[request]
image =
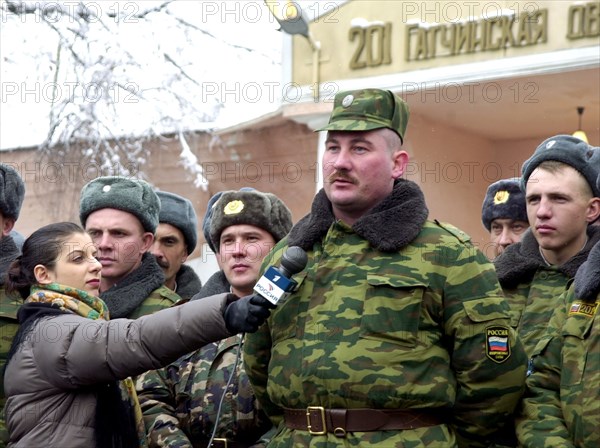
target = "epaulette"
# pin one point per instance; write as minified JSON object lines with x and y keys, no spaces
{"x":463,"y":237}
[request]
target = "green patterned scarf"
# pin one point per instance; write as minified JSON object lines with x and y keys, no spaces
{"x":69,"y":299}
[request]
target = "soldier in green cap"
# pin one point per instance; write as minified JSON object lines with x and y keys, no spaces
{"x":121,"y":215}
{"x":398,"y":333}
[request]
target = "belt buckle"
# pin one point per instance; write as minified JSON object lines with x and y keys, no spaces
{"x":321,"y":411}
{"x":223,"y":441}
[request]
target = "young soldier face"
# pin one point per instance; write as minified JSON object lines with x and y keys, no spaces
{"x":559,"y":209}
{"x":242,"y":249}
{"x":121,"y":241}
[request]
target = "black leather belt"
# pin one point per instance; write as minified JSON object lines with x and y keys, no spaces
{"x":318,"y":420}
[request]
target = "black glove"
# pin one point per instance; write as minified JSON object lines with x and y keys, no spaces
{"x":246,"y":314}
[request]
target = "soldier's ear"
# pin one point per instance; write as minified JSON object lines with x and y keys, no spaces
{"x":7,"y":226}
{"x":147,"y":242}
{"x":400,"y":159}
{"x":593,"y":211}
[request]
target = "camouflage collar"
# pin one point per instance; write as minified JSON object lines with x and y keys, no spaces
{"x":587,"y":279}
{"x":391,"y":225}
{"x":520,"y":261}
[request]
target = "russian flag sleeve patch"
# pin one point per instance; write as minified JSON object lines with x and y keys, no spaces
{"x":497,"y":341}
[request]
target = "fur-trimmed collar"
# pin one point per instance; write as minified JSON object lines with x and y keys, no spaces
{"x":126,"y":296}
{"x":519,"y":262}
{"x":216,"y":284}
{"x":389,"y":226}
{"x":8,"y":253}
{"x":188,"y":282}
{"x":587,"y":279}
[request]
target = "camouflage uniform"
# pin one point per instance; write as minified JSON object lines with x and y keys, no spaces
{"x":561,"y":406}
{"x":532,"y":288}
{"x":8,"y":321}
{"x":180,"y":402}
{"x":394,"y":312}
{"x":159,"y":299}
{"x":140,"y":293}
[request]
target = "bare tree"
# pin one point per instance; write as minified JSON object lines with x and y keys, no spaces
{"x":114,"y":74}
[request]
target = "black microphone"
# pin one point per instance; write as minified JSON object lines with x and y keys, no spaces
{"x":276,"y":283}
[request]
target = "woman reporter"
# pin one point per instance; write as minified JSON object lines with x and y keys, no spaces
{"x":67,"y":372}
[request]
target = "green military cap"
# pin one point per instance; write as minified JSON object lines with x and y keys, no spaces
{"x":368,"y":109}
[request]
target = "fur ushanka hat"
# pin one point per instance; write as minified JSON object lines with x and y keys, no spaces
{"x":122,"y":193}
{"x":264,"y":210}
{"x":179,"y":212}
{"x":504,"y":199}
{"x":569,"y":150}
{"x":12,"y":192}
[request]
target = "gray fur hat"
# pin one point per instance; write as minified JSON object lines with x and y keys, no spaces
{"x":179,"y":212}
{"x":264,"y":210}
{"x":569,"y":150}
{"x":122,"y":193}
{"x":504,"y":199}
{"x":12,"y":192}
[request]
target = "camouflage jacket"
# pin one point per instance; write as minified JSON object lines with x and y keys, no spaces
{"x":394,"y":313}
{"x":561,"y":405}
{"x":532,"y":288}
{"x":142,"y":292}
{"x":180,"y":402}
{"x":8,"y":321}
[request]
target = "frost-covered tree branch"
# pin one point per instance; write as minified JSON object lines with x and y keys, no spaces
{"x":111,"y":75}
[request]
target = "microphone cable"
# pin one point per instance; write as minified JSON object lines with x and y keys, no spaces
{"x":238,"y":357}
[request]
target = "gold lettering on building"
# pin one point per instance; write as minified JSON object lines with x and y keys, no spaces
{"x":423,"y":41}
{"x":373,"y":45}
{"x":584,"y":21}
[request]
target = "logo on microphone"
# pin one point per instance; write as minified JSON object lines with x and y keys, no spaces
{"x":273,"y":286}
